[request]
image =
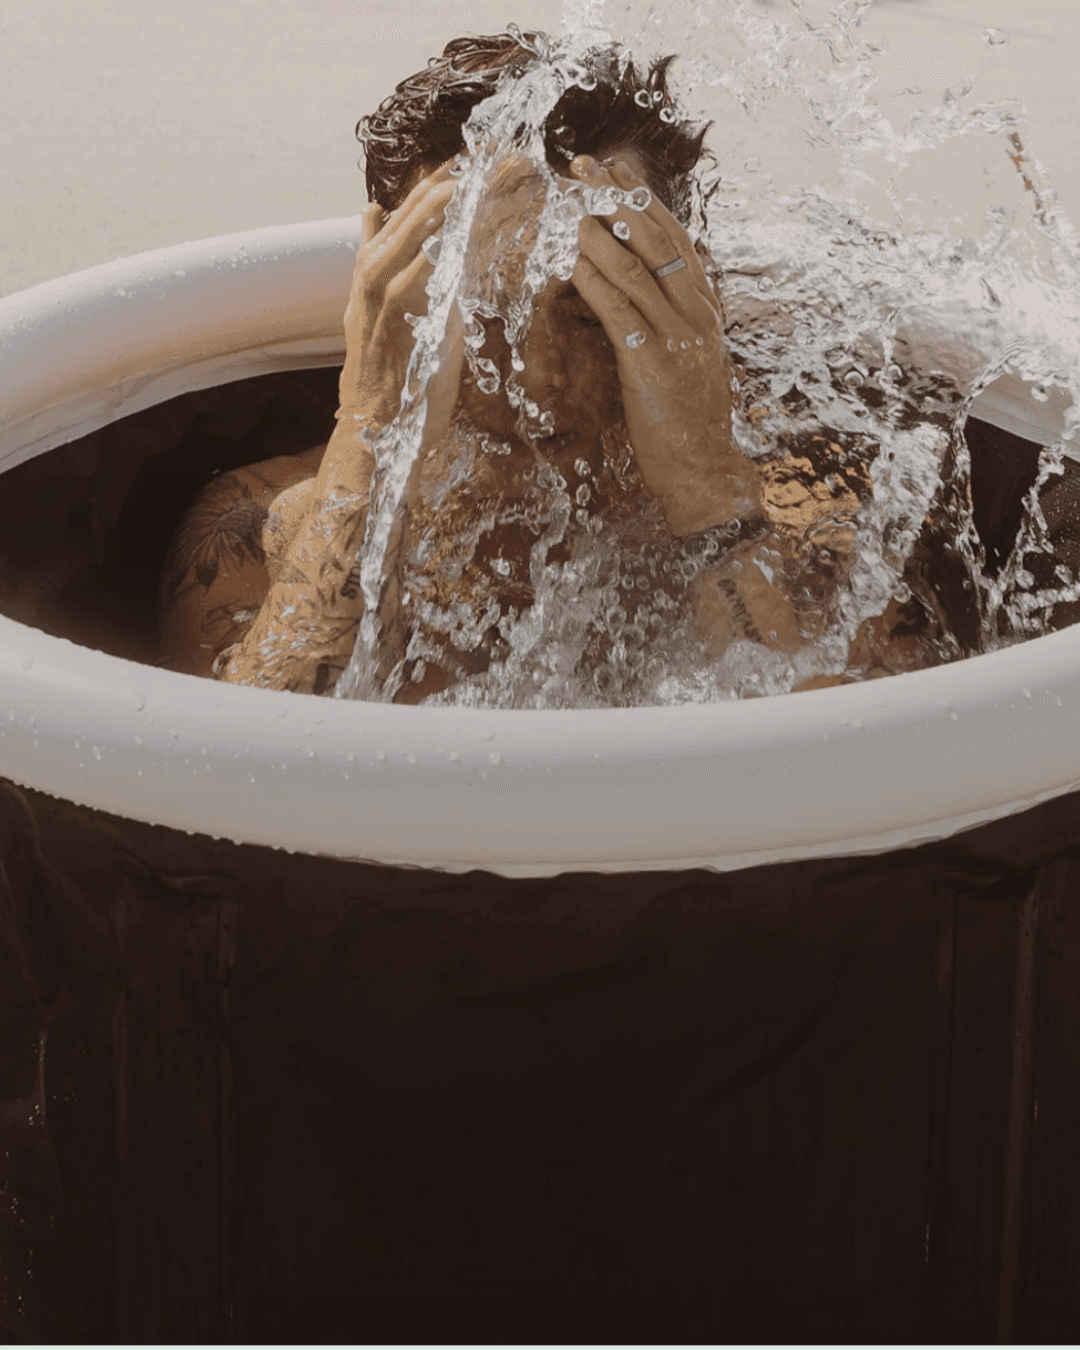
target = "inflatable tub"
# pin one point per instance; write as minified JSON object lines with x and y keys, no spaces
{"x":734,"y":1022}
{"x":519,"y":793}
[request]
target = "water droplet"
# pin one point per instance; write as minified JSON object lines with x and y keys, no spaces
{"x":667,"y":115}
{"x":640,"y":199}
{"x":994,"y":37}
{"x":350,"y":755}
{"x":621,"y":230}
{"x":853,"y":379}
{"x":27,"y":662}
{"x":495,"y":757}
{"x":97,"y":752}
{"x":138,"y":740}
{"x":752,"y":164}
{"x":251,"y":778}
{"x":602,"y":201}
{"x":140,"y":700}
{"x":380,"y":754}
{"x":453,"y":756}
{"x":672,"y":345}
{"x":634,"y":340}
{"x":431,"y":248}
{"x":642,"y":99}
{"x":310,"y":753}
{"x":765,"y":284}
{"x":1039,"y":394}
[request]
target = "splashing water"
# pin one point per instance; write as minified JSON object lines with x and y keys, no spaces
{"x":866,"y":307}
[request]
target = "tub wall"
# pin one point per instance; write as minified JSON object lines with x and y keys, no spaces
{"x":247,"y":1097}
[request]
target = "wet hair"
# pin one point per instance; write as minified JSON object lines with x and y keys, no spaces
{"x":420,"y":124}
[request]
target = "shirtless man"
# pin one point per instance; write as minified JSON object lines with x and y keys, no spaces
{"x":261,"y":585}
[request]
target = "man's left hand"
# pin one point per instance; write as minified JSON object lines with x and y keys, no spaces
{"x":668,"y":339}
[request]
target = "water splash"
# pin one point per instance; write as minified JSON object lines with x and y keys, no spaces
{"x":866,"y":307}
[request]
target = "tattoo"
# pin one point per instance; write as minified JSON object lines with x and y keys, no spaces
{"x":351,"y":589}
{"x":750,"y":629}
{"x":223,"y":525}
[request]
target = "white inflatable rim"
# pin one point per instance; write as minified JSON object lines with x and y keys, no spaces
{"x":834,"y":772}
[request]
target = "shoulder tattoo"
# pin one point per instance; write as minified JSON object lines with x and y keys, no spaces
{"x":222,"y":526}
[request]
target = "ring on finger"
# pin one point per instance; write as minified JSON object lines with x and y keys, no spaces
{"x":676,"y":265}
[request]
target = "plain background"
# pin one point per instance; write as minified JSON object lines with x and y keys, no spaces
{"x":129,"y":126}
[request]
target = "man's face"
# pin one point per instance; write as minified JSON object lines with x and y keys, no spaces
{"x":569,"y":363}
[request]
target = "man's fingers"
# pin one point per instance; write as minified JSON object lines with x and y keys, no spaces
{"x":408,"y":289}
{"x":371,"y":223}
{"x":610,"y":303}
{"x":656,"y":238}
{"x":626,"y":274}
{"x":667,"y":230}
{"x":398,"y":245}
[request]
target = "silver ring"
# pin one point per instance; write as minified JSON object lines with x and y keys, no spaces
{"x":670,"y":267}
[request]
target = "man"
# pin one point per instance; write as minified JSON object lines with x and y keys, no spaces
{"x":261,"y":585}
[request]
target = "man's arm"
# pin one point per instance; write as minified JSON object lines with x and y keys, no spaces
{"x":214,"y":577}
{"x":303,"y":634}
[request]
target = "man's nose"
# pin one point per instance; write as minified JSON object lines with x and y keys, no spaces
{"x":545,"y":359}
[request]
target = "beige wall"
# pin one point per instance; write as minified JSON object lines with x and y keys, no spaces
{"x":129,"y":125}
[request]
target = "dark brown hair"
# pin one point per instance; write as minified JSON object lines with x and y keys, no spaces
{"x":421,"y":122}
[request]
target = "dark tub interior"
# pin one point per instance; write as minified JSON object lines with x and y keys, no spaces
{"x":84,"y":528}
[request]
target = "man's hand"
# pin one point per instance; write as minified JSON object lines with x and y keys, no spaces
{"x":389,"y":281}
{"x":674,"y":371}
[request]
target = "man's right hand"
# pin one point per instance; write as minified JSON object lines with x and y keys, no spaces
{"x":389,"y":281}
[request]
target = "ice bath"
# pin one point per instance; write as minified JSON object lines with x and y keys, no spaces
{"x":834,"y":358}
{"x":709,"y":1012}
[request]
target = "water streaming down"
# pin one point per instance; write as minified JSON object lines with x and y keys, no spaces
{"x":866,"y":304}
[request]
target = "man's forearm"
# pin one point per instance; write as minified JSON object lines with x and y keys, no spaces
{"x":303,"y":636}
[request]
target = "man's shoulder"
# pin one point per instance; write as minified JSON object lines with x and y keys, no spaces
{"x":221,"y":531}
{"x":218,"y":532}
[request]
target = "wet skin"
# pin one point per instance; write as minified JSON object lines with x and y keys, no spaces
{"x":671,"y":392}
